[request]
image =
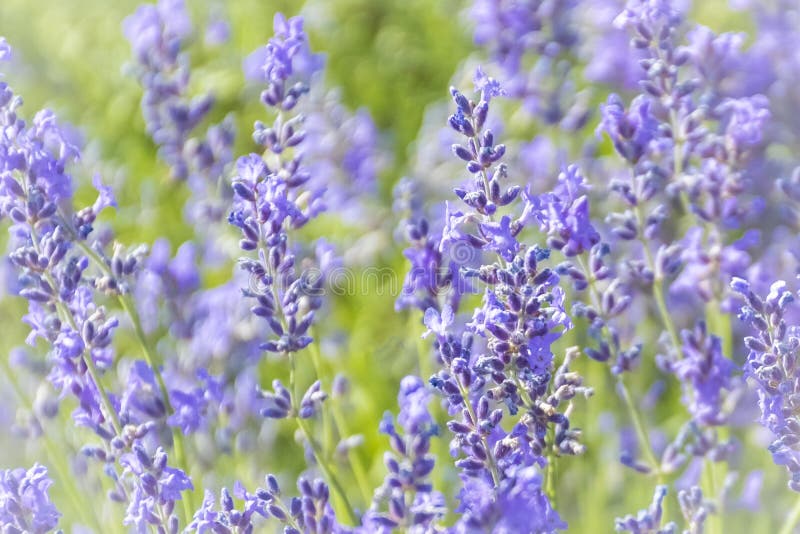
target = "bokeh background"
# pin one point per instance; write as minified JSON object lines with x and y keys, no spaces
{"x":396,"y":58}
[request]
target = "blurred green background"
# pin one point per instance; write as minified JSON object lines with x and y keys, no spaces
{"x":394,"y":57}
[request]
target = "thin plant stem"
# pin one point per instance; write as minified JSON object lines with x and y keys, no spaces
{"x":638,"y":426}
{"x":633,"y":411}
{"x":341,"y":426}
{"x":316,"y":449}
{"x":791,"y":520}
{"x":710,"y":489}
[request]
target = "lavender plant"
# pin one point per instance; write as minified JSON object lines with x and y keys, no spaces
{"x":596,"y":309}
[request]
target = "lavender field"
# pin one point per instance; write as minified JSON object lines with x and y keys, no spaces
{"x":414,"y":266}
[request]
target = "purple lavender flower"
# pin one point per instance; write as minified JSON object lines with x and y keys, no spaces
{"x":191,"y":406}
{"x":771,"y":367}
{"x":157,"y":34}
{"x":564,"y":214}
{"x":51,"y":247}
{"x":25,"y":504}
{"x":609,"y":59}
{"x":531,"y":44}
{"x":747,"y":118}
{"x":647,"y":521}
{"x":169,"y":280}
{"x":5,"y":49}
{"x":344,"y":155}
{"x":269,"y":199}
{"x":36,"y":194}
{"x":435,"y":268}
{"x":156,"y":489}
{"x":695,"y":509}
{"x":511,"y":366}
{"x":705,"y":374}
{"x":518,"y":505}
{"x":407,"y":494}
{"x":286,"y":60}
{"x":310,"y":512}
{"x":631,"y":131}
{"x":227,"y":519}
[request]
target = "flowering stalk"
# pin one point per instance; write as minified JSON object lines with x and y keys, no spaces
{"x":157,"y":34}
{"x":269,"y":200}
{"x":406,"y":499}
{"x":25,"y":504}
{"x":521,"y":315}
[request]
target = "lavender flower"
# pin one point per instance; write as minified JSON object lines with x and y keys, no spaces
{"x":771,"y":366}
{"x":648,"y":521}
{"x":518,"y":505}
{"x":435,"y":268}
{"x":5,"y":49}
{"x":564,"y":214}
{"x":695,"y":510}
{"x":62,"y":308}
{"x":156,"y":489}
{"x":631,"y":131}
{"x":531,"y":44}
{"x":25,"y":504}
{"x":157,"y":34}
{"x":227,"y":520}
{"x":52,"y":245}
{"x":269,"y":199}
{"x":311,"y":512}
{"x":407,"y":493}
{"x":344,"y":155}
{"x":521,"y":316}
{"x":706,"y":374}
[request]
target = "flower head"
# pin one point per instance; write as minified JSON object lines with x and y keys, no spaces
{"x":25,"y":504}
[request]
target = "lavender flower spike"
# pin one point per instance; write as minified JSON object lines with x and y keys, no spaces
{"x":648,"y":521}
{"x":269,"y":199}
{"x":407,"y":494}
{"x":25,"y":504}
{"x":772,"y":365}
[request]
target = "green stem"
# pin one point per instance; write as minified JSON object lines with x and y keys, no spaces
{"x":359,"y":471}
{"x":658,"y":287}
{"x":792,"y":519}
{"x":327,"y":430}
{"x":315,"y":448}
{"x":644,"y":439}
{"x":710,"y":490}
{"x":341,"y":425}
{"x":90,"y":366}
{"x":638,"y":426}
